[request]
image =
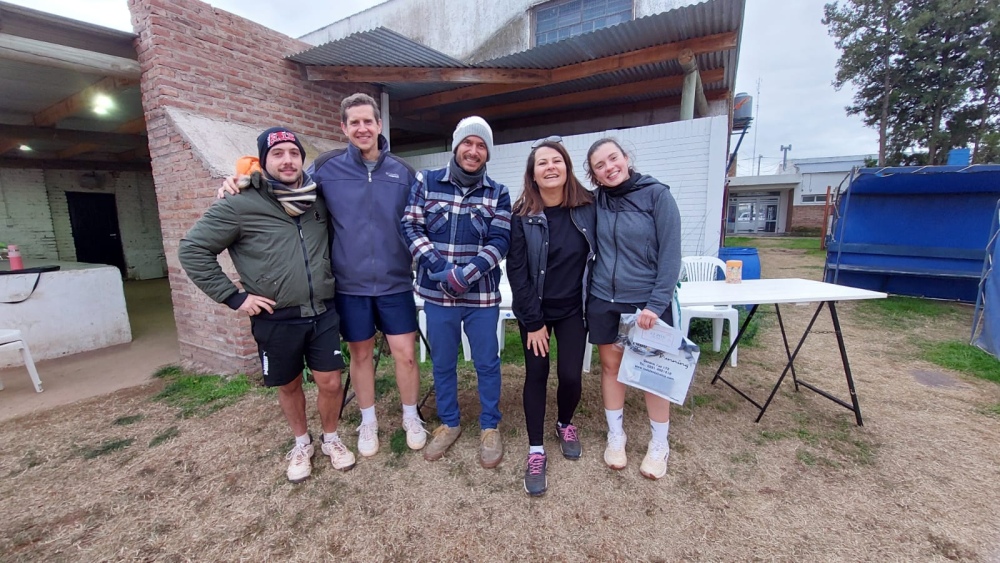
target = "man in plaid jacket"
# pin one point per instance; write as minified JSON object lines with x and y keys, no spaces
{"x":457,"y":222}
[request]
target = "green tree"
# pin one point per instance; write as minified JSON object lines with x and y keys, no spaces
{"x":924,"y":73}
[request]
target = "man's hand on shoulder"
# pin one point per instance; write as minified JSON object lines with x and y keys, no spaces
{"x":232,"y":186}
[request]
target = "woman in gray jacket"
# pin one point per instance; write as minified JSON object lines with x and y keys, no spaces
{"x":638,"y":262}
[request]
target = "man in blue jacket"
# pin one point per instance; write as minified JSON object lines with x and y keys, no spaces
{"x":458,"y":225}
{"x":366,"y":189}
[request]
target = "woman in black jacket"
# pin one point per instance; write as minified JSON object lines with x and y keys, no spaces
{"x":552,"y":244}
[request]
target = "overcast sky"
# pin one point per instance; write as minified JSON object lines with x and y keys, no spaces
{"x":784,"y":48}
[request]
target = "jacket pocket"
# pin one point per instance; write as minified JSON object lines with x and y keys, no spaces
{"x":437,"y":216}
{"x":481,"y":218}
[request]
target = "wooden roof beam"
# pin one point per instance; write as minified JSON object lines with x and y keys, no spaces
{"x":555,"y":118}
{"x":57,"y":164}
{"x":421,"y":74}
{"x":585,"y":97}
{"x":667,"y":51}
{"x":137,"y":125}
{"x":23,"y":133}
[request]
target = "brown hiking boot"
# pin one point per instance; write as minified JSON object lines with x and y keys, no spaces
{"x":491,"y":448}
{"x":443,"y":437}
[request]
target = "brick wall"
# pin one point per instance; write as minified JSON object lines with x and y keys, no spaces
{"x":138,"y":221}
{"x":808,"y":216}
{"x":208,"y":61}
{"x":25,"y":219}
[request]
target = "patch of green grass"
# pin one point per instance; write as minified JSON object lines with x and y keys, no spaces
{"x":992,"y":410}
{"x":806,"y":457}
{"x":748,"y":242}
{"x":702,"y":400}
{"x":168,"y":371}
{"x":963,"y":357}
{"x":201,"y":395}
{"x":383,"y":385}
{"x":126,"y":420}
{"x":765,"y":436}
{"x":105,"y":447}
{"x":167,"y":434}
{"x":397,"y":442}
{"x":898,"y":308}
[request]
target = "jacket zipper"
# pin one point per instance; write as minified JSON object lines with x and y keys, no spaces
{"x":305,"y":256}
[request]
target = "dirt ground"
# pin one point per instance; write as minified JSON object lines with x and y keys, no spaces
{"x":918,"y":482}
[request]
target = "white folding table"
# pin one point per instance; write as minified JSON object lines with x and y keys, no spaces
{"x":777,"y":292}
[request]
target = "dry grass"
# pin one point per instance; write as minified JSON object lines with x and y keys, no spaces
{"x":125,"y":478}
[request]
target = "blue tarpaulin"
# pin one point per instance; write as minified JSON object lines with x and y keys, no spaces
{"x":918,"y":231}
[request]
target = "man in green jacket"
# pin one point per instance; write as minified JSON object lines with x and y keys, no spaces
{"x":277,"y":236}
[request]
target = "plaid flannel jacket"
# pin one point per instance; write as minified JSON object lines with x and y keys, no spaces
{"x":469,"y":227}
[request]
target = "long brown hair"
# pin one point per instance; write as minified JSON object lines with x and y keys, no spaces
{"x":530,"y":200}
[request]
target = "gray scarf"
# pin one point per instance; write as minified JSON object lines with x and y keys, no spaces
{"x":295,"y":200}
{"x":463,"y":178}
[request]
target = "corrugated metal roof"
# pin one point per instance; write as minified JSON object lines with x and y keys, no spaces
{"x":377,"y":47}
{"x":383,"y":47}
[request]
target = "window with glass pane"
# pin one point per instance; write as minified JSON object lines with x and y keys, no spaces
{"x":562,"y":19}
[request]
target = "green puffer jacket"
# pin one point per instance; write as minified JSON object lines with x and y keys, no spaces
{"x":284,"y":258}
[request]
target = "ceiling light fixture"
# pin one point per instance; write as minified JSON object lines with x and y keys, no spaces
{"x":24,"y":148}
{"x":103,"y":104}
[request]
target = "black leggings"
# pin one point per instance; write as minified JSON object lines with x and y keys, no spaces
{"x":571,"y":336}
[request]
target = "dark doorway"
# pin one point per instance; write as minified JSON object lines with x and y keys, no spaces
{"x":94,"y":218}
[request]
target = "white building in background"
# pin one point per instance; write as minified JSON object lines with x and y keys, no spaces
{"x":790,"y":201}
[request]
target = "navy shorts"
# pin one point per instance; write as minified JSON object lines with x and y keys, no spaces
{"x":362,"y":315}
{"x":286,"y":346}
{"x":603,"y":318}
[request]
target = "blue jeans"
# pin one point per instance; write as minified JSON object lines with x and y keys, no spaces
{"x":444,"y":325}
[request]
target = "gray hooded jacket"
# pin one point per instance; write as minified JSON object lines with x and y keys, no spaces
{"x":639,"y":244}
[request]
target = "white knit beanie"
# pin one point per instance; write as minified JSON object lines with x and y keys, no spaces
{"x":473,"y":125}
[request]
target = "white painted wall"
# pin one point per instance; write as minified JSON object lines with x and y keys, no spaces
{"x":689,"y":156}
{"x":138,"y":217}
{"x":25,"y":219}
{"x":468,"y":30}
{"x":816,"y":183}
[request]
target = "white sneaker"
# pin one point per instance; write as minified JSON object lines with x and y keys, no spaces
{"x":368,"y":439}
{"x":341,"y":457}
{"x":654,"y":465}
{"x":614,"y":454}
{"x":416,"y":434}
{"x":299,"y":463}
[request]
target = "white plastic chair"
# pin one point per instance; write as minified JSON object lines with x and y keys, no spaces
{"x":704,"y":268}
{"x":12,"y":339}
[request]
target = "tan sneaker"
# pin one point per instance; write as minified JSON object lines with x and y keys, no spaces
{"x":341,"y":457}
{"x":368,"y":439}
{"x":299,"y":463}
{"x":614,"y":454}
{"x":654,"y":465}
{"x":444,"y":437}
{"x":416,"y":435}
{"x":490,"y":448}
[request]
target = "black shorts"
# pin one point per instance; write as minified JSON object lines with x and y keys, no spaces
{"x":603,"y":318}
{"x":287,"y":346}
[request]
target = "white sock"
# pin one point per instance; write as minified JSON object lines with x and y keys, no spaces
{"x":303,"y":440}
{"x":410,"y":411}
{"x":536,"y":450}
{"x":330,"y":437}
{"x":660,"y":431}
{"x":615,"y":418}
{"x":368,"y":416}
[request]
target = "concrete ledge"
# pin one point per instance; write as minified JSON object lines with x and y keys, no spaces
{"x":78,"y":308}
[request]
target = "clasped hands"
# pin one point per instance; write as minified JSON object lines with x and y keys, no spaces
{"x":451,"y":281}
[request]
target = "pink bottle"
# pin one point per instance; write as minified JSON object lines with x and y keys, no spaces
{"x":15,"y":258}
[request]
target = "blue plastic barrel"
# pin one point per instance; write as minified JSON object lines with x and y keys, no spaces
{"x":749,"y":256}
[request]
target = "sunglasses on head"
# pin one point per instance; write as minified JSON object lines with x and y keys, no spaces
{"x":549,"y":139}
